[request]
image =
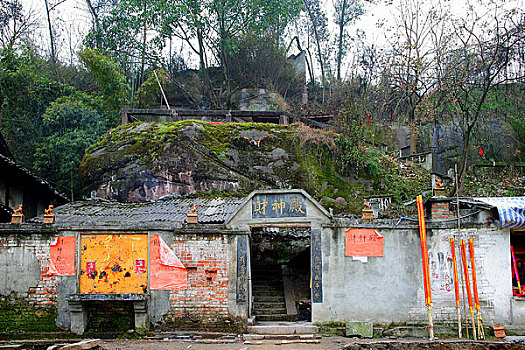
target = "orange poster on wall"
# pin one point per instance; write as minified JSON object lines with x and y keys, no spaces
{"x":62,"y":256}
{"x":114,"y":263}
{"x":363,"y":242}
{"x":166,"y":270}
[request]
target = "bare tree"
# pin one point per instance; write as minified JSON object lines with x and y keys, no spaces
{"x":13,"y":22}
{"x":318,"y":29}
{"x":346,"y":12}
{"x":50,"y":6}
{"x":486,"y":45}
{"x":411,"y":72}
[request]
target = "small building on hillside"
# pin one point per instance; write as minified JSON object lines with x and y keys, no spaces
{"x":222,"y":263}
{"x":19,"y":186}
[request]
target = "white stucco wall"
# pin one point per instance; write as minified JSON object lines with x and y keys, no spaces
{"x":390,"y":288}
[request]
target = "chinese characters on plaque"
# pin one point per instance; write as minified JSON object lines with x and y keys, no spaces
{"x":242,"y":268}
{"x":278,"y":206}
{"x":317,"y":267}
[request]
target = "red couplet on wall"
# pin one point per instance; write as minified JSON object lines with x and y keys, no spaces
{"x":363,"y":242}
{"x":62,"y":256}
{"x":166,"y":270}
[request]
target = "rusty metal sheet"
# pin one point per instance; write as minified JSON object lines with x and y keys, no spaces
{"x":113,"y":263}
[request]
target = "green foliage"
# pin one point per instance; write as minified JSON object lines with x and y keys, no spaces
{"x":25,"y":93}
{"x":71,"y":124}
{"x":496,"y":183}
{"x":128,"y":31}
{"x":109,"y":78}
{"x":371,"y":171}
{"x":149,"y":93}
{"x":259,"y":62}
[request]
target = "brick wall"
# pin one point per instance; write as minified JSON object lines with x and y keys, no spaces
{"x":204,"y":303}
{"x":440,"y":211}
{"x":42,"y":292}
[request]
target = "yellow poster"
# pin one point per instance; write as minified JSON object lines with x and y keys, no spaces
{"x":114,"y":263}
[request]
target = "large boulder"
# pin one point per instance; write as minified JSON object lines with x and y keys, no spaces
{"x":146,"y":161}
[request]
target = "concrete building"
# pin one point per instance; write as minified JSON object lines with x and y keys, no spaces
{"x":275,"y":247}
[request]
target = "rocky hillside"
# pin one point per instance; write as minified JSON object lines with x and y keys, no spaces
{"x":146,"y":161}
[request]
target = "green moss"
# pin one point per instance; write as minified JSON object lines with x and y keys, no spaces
{"x":331,"y":324}
{"x":18,"y":317}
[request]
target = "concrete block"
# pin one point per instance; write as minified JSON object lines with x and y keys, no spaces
{"x":271,"y":328}
{"x":78,"y":316}
{"x":141,"y":316}
{"x":361,"y":329}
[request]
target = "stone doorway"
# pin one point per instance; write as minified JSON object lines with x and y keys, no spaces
{"x":280,"y":273}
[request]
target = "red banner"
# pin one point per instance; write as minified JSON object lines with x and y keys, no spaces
{"x":363,"y":242}
{"x":62,"y":256}
{"x":166,"y":270}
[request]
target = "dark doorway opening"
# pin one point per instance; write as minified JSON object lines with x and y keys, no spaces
{"x":280,"y":270}
{"x":114,"y":316}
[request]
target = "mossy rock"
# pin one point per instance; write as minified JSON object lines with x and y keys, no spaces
{"x":145,"y":161}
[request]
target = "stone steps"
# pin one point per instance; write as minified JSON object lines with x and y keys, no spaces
{"x":269,"y":302}
{"x":265,"y":304}
{"x":270,"y":311}
{"x":274,"y":318}
{"x":283,"y":328}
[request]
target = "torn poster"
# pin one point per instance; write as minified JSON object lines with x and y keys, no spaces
{"x":363,"y":242}
{"x":62,"y":256}
{"x":166,"y":270}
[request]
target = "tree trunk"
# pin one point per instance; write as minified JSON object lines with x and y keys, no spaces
{"x":340,"y":40}
{"x":464,"y":158}
{"x":51,"y":35}
{"x":143,"y":54}
{"x":413,"y":131}
{"x":95,"y":21}
{"x":207,"y":89}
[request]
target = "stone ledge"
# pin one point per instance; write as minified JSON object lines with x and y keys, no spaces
{"x":108,"y":297}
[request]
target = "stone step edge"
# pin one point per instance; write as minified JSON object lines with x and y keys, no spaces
{"x":280,"y":336}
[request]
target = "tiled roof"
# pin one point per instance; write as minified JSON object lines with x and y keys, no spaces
{"x":290,"y":232}
{"x":209,"y":211}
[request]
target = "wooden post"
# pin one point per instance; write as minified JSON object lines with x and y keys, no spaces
{"x":283,"y":119}
{"x":467,"y":285}
{"x":481,"y":333}
{"x":456,"y":284}
{"x":424,"y":256}
{"x":125,"y":119}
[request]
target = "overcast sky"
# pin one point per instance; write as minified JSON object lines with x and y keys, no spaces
{"x":72,"y":19}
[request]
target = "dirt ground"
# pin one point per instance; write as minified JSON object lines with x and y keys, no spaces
{"x":328,"y":343}
{"x":237,"y":344}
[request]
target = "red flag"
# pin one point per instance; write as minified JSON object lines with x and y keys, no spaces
{"x":480,"y":151}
